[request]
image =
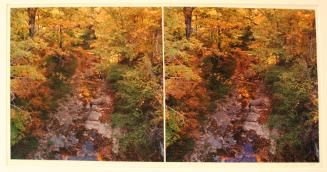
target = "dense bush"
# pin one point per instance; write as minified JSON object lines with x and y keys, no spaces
{"x":116,"y":72}
{"x":21,"y":149}
{"x":60,"y":68}
{"x":179,"y":149}
{"x":62,"y":64}
{"x":291,"y":89}
{"x":137,"y":108}
{"x":174,"y":124}
{"x":217,"y":70}
{"x":19,"y":121}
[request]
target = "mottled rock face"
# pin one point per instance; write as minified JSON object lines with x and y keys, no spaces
{"x":233,"y":133}
{"x":94,"y":116}
{"x":253,"y":117}
{"x":101,"y":128}
{"x":89,"y":125}
{"x":73,"y":140}
{"x":98,"y":101}
{"x":88,"y":106}
{"x":215,"y":143}
{"x":256,"y":127}
{"x":57,"y":142}
{"x":257,"y":102}
{"x":77,"y":132}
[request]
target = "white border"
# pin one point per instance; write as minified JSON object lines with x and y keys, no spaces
{"x":36,"y":165}
{"x":163,"y":77}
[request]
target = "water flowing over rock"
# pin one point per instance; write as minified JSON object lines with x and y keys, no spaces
{"x":236,"y":133}
{"x":80,"y":129}
{"x":94,"y":116}
{"x":57,"y":142}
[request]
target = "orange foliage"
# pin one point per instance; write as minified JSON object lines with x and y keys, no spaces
{"x":178,"y":88}
{"x":193,"y":102}
{"x":99,"y":157}
{"x":37,"y":102}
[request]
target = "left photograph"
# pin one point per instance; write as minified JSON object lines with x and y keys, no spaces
{"x":86,"y":83}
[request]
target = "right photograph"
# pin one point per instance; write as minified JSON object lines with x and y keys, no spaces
{"x":241,"y":85}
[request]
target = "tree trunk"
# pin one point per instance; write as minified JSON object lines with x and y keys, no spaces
{"x":188,"y":20}
{"x":31,"y":21}
{"x":219,"y":39}
{"x":196,"y":26}
{"x":60,"y":37}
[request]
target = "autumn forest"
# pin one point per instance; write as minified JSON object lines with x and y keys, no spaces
{"x":190,"y":84}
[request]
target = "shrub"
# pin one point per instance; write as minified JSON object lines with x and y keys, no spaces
{"x":273,"y":74}
{"x":62,"y":65}
{"x":290,"y":94}
{"x":217,"y":70}
{"x":116,"y":72}
{"x":174,"y":125}
{"x":60,"y":68}
{"x":24,"y":147}
{"x":177,"y":151}
{"x":18,"y":122}
{"x":136,"y":108}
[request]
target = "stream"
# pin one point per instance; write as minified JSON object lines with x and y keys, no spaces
{"x":236,"y":131}
{"x":80,"y":127}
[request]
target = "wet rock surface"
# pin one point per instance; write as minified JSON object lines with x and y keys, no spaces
{"x":236,"y":131}
{"x":80,"y":129}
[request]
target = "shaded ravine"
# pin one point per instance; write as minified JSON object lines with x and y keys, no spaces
{"x":80,"y":127}
{"x":236,"y":131}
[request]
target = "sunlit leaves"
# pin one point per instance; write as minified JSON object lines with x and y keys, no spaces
{"x":19,"y":120}
{"x":137,"y":107}
{"x":182,"y":72}
{"x":27,"y":72}
{"x":174,"y":124}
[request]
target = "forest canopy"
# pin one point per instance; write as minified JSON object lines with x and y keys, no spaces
{"x":62,"y":56}
{"x":210,"y":53}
